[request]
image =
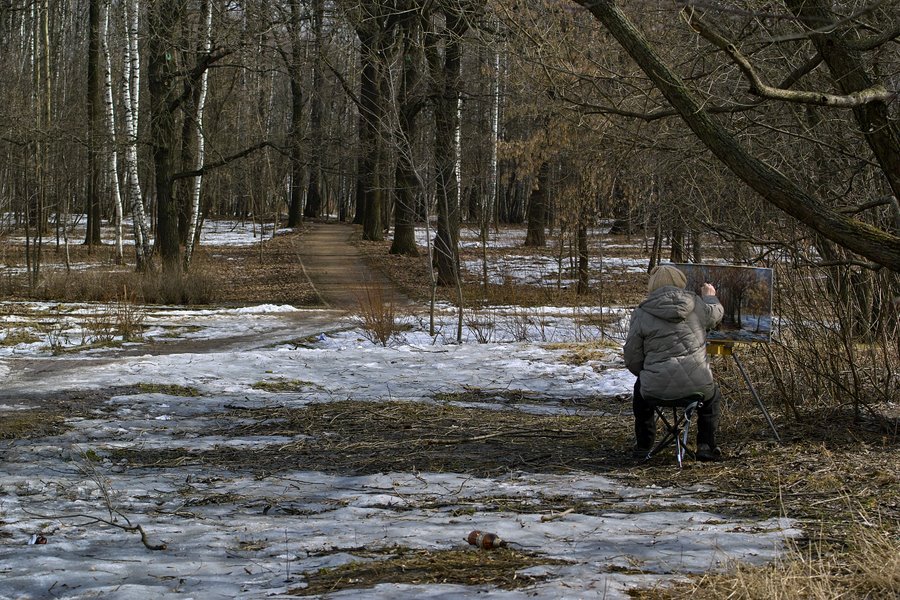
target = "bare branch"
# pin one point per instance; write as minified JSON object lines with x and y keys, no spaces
{"x":225,"y":160}
{"x":343,"y":81}
{"x":801,"y":71}
{"x":827,"y":26}
{"x":876,"y":93}
{"x":896,"y":206}
{"x":876,"y":41}
{"x":588,"y":108}
{"x":873,"y":204}
{"x":93,"y":519}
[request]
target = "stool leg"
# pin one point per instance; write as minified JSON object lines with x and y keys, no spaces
{"x":688,"y":414}
{"x":667,"y":435}
{"x":679,"y":442}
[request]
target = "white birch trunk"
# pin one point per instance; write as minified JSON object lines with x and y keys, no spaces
{"x":131,"y":93}
{"x":457,"y":136}
{"x":113,"y":169}
{"x":201,"y":144}
{"x":495,"y":142}
{"x":457,"y":141}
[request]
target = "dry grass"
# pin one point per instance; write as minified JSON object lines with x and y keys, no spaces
{"x":378,"y":313}
{"x":30,"y":424}
{"x":411,"y":274}
{"x":497,"y":568}
{"x":263,"y":273}
{"x":599,"y":351}
{"x":168,"y":389}
{"x":15,"y":336}
{"x":350,"y":437}
{"x":867,"y":566}
{"x":282,"y":385}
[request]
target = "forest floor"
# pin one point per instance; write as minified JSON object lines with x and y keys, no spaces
{"x":276,"y":449}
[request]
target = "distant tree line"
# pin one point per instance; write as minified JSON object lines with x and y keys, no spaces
{"x":773,"y":126}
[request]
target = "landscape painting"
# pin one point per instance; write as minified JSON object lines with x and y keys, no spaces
{"x":746,"y":294}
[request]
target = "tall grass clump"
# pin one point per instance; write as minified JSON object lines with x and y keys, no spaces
{"x":866,"y":566}
{"x":377,"y":314}
{"x":199,"y":286}
{"x":837,"y":341}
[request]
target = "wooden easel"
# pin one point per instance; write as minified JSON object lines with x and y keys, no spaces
{"x":726,"y":348}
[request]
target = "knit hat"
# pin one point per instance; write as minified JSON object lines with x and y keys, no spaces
{"x":662,"y":275}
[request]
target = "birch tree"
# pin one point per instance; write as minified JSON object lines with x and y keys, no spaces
{"x":131,"y":88}
{"x":112,"y":169}
{"x":200,"y":143}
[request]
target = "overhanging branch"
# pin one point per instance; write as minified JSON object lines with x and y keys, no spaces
{"x":873,"y":243}
{"x":876,"y":93}
{"x":228,"y":159}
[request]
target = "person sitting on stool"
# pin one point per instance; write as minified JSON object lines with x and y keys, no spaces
{"x":666,"y":349}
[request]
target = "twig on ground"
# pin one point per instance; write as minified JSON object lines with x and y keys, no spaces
{"x":555,"y":516}
{"x":93,"y":519}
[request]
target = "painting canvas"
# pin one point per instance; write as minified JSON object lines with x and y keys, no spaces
{"x":746,"y":294}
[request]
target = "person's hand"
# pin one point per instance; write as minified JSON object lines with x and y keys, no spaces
{"x":707,"y":289}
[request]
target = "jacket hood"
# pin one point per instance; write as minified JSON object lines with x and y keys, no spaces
{"x":669,"y":303}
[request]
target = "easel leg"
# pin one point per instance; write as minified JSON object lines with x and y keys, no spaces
{"x":756,"y":397}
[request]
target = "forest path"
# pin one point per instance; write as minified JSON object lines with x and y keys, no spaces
{"x":331,"y":262}
{"x":338,"y":270}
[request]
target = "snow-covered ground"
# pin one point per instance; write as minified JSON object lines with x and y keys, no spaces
{"x":215,"y":232}
{"x":262,"y":533}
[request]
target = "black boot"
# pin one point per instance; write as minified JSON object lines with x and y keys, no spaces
{"x":707,"y":427}
{"x":644,"y":424}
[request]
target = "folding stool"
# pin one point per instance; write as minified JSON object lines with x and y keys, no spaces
{"x":678,"y":429}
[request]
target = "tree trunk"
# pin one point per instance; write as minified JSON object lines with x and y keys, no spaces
{"x":142,"y":249}
{"x":314,"y":191}
{"x":112,"y":171}
{"x":199,"y":104}
{"x":295,"y":134}
{"x":446,"y":116}
{"x":620,"y":210}
{"x":406,"y":182}
{"x":535,"y":235}
{"x":583,"y":257}
{"x":161,"y":50}
{"x":368,"y":132}
{"x":677,"y":254}
{"x":95,"y":124}
{"x":656,"y":248}
{"x":696,"y":246}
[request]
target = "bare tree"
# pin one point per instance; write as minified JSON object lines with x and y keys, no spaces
{"x":872,"y":242}
{"x":96,"y":115}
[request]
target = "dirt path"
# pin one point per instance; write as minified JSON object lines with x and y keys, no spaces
{"x":338,"y":271}
{"x":334,"y":266}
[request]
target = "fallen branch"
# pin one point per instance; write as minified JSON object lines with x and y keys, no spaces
{"x":555,"y":516}
{"x":92,"y":519}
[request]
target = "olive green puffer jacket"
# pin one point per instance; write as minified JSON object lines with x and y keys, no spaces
{"x":666,"y":343}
